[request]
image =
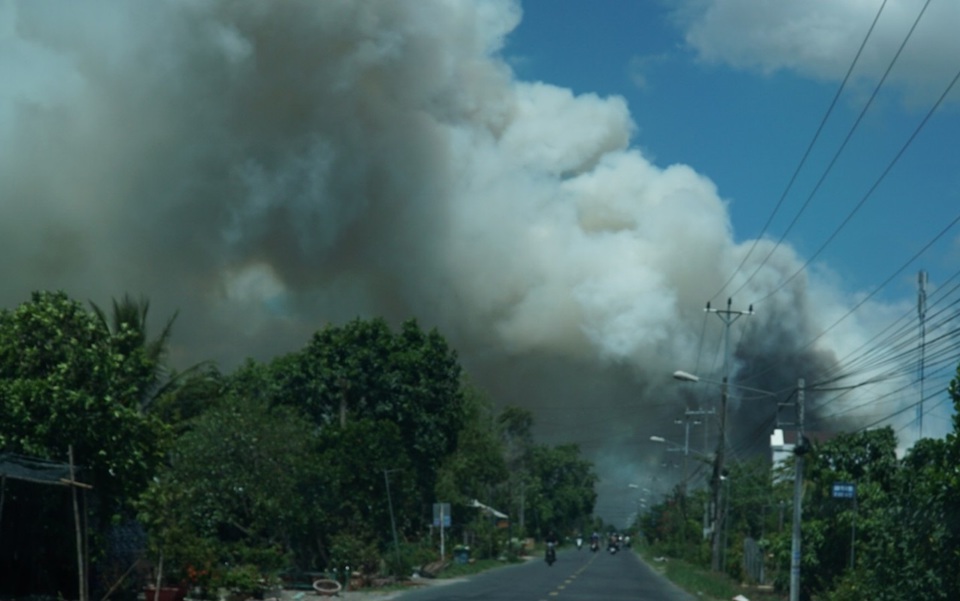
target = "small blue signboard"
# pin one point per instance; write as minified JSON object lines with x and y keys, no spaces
{"x":441,"y":515}
{"x":844,"y":490}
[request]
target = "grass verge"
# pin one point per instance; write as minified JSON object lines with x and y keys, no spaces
{"x":703,"y":583}
{"x":457,"y":570}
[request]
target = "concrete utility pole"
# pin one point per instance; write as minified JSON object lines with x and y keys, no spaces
{"x":799,"y":451}
{"x":686,"y":421}
{"x":706,"y":451}
{"x":728,"y":316}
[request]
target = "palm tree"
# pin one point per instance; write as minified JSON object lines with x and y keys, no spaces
{"x":130,"y":315}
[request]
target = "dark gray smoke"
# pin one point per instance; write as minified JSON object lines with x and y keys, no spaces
{"x":267,"y":168}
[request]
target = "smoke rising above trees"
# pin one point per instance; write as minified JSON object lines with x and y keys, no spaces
{"x":270,"y":168}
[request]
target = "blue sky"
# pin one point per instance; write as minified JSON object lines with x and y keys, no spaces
{"x":747,"y":127}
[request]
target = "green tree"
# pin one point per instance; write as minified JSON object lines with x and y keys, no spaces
{"x":241,"y":477}
{"x":477,"y":466}
{"x":750,"y":511}
{"x":916,"y":527}
{"x":128,"y":323}
{"x":193,"y":394}
{"x":356,"y":463}
{"x":65,"y":380}
{"x":910,"y":529}
{"x":866,"y":459}
{"x":362,"y":370}
{"x":516,"y":436}
{"x":562,"y":491}
{"x":664,"y":524}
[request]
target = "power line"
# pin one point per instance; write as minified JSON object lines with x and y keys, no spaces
{"x":806,"y":154}
{"x":857,"y":358}
{"x":836,"y":156}
{"x":876,"y":290}
{"x":869,"y":192}
{"x":899,"y":350}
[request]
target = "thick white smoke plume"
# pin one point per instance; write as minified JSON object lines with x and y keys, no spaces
{"x":269,"y":167}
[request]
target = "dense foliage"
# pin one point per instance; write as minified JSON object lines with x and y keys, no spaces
{"x":68,"y":381}
{"x":328,"y":457}
{"x":899,"y":539}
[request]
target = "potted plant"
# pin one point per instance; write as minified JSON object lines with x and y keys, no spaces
{"x":176,"y":546}
{"x":164,"y":593}
{"x":246,"y":581}
{"x":199,"y":582}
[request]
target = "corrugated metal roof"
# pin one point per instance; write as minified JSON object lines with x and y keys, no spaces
{"x":31,"y":469}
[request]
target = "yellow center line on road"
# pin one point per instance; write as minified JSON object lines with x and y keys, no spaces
{"x":570,"y":579}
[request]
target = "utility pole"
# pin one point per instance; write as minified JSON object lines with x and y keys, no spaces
{"x":799,"y":451}
{"x":922,"y":315}
{"x":686,"y":437}
{"x":393,"y":521}
{"x":728,"y":316}
{"x":706,"y":448}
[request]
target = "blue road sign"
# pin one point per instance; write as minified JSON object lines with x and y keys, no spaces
{"x":844,"y":490}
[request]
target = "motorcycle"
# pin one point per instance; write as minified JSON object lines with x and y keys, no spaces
{"x":594,"y":546}
{"x":579,"y":543}
{"x":613,"y":547}
{"x":551,"y":554}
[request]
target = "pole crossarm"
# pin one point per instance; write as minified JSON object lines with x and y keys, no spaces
{"x":676,"y":447}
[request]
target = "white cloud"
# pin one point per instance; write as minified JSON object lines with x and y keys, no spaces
{"x":819,"y":38}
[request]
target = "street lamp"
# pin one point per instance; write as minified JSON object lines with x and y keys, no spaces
{"x":672,"y":445}
{"x":676,"y":447}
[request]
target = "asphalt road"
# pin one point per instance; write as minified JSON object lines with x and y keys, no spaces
{"x":576,"y":576}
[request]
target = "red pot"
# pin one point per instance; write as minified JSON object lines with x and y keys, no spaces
{"x":165,"y":593}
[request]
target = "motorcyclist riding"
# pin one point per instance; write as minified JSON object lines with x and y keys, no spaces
{"x":551,"y":540}
{"x":613,"y":544}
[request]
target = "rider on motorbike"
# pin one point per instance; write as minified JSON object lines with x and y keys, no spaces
{"x":551,"y":540}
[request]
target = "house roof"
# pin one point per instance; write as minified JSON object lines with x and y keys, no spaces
{"x":18,"y":467}
{"x":32,"y":469}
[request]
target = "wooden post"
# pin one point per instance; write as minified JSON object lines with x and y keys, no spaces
{"x":156,"y":591}
{"x":76,"y":518}
{"x":3,"y":494}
